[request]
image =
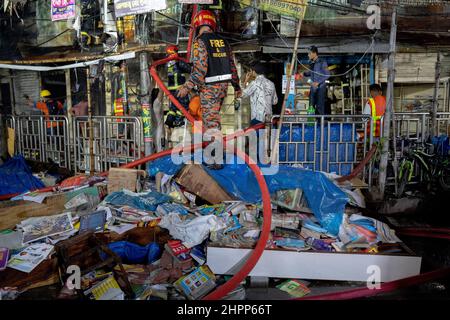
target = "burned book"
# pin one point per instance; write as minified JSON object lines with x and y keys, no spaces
{"x":94,"y":221}
{"x":283,"y":232}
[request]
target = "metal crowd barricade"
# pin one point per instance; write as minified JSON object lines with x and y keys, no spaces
{"x":334,"y":143}
{"x":30,"y":135}
{"x":56,"y":140}
{"x":123,"y":140}
{"x":117,"y":141}
{"x":443,"y":123}
{"x":410,"y":126}
{"x":81,"y":143}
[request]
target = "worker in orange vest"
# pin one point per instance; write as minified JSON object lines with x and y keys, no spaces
{"x":375,"y":107}
{"x":49,"y":107}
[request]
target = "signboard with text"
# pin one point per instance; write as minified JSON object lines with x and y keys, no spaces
{"x":62,"y":9}
{"x":292,"y":8}
{"x":133,"y":7}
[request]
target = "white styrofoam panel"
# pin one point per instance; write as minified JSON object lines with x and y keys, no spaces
{"x":315,"y":265}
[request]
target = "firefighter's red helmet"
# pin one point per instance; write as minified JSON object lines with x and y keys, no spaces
{"x":205,"y":18}
{"x":172,"y":49}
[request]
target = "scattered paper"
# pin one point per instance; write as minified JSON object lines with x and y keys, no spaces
{"x":77,"y":201}
{"x":37,"y":197}
{"x":108,"y":289}
{"x":122,"y":228}
{"x":191,"y":232}
{"x":63,"y":236}
{"x":11,"y":240}
{"x":295,"y":288}
{"x":30,"y":257}
{"x":41,"y":227}
{"x":252,"y":234}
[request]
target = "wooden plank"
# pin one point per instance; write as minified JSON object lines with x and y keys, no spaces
{"x":13,"y":212}
{"x":43,"y":275}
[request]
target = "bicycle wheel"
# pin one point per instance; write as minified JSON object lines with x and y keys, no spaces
{"x":444,"y":179}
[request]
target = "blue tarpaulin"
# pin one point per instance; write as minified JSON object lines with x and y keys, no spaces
{"x":16,"y":177}
{"x":325,"y":199}
{"x":144,"y":201}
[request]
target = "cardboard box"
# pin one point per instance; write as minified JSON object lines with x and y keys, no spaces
{"x":199,"y":182}
{"x":13,"y":212}
{"x":119,"y":179}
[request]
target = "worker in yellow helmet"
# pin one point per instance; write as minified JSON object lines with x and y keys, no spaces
{"x":48,"y":107}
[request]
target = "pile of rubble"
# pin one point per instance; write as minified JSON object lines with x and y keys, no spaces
{"x":133,"y":236}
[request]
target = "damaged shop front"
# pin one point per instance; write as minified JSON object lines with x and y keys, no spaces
{"x":111,"y":220}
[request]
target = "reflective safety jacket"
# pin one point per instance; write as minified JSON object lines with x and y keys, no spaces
{"x":377,"y":108}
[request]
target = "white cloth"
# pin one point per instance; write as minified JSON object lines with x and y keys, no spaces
{"x":191,"y":232}
{"x":367,"y":109}
{"x":262,"y":96}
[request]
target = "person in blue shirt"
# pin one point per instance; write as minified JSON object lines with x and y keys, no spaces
{"x":318,"y":74}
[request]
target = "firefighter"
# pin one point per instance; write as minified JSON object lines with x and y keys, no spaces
{"x":175,"y":79}
{"x":376,"y":107}
{"x":213,"y":70}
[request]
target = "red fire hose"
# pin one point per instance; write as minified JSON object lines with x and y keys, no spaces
{"x":267,"y":211}
{"x":437,"y":233}
{"x":384,"y":287}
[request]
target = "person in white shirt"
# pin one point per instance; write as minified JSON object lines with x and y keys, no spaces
{"x":262,"y":95}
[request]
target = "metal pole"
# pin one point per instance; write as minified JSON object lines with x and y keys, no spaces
{"x":274,"y":152}
{"x":389,"y":105}
{"x":434,"y":128}
{"x":69,"y":116}
{"x":145,"y":103}
{"x":91,"y":127}
{"x":123,"y":84}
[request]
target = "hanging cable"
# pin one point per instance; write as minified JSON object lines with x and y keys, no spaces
{"x":318,"y":73}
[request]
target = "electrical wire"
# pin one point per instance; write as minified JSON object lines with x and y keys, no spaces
{"x":318,"y":73}
{"x":52,"y":38}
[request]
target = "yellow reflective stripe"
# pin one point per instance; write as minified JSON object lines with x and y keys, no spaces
{"x":373,"y":110}
{"x":372,"y":107}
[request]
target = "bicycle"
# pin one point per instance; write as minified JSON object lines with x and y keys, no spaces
{"x":435,"y":168}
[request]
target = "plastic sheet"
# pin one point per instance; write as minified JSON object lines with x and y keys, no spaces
{"x":143,"y":201}
{"x":191,"y":232}
{"x":16,"y":177}
{"x":442,"y":144}
{"x":131,"y":253}
{"x":325,"y":199}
